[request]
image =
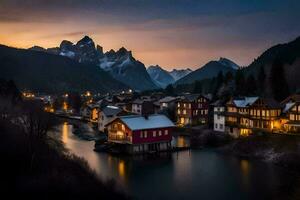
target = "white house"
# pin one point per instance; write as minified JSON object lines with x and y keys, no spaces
{"x":219,"y":116}
{"x":108,"y":114}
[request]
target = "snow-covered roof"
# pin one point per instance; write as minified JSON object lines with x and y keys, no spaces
{"x":288,"y":106}
{"x":167,"y":99}
{"x":111,"y":110}
{"x":247,"y":101}
{"x":137,"y":122}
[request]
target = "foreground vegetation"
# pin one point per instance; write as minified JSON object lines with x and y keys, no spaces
{"x":35,"y":166}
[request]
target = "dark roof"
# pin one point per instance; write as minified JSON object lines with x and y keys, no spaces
{"x":271,"y":103}
{"x":111,"y":110}
{"x":292,"y":98}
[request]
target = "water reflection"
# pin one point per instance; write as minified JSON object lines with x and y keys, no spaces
{"x":184,"y":175}
{"x":245,"y":170}
{"x":65,"y":132}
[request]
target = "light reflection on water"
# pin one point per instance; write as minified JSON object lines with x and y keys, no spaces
{"x":182,"y":175}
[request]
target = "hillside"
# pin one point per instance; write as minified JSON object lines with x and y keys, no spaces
{"x":288,"y":54}
{"x":43,"y":72}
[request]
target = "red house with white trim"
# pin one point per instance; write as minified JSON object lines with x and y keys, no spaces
{"x":141,"y":134}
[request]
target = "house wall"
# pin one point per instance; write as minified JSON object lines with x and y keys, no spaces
{"x":219,"y":119}
{"x":152,"y":135}
{"x":192,"y":113}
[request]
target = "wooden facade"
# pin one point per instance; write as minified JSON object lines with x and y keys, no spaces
{"x":192,"y":110}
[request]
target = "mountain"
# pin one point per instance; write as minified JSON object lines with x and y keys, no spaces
{"x":125,"y":68}
{"x":120,"y":64}
{"x":288,"y":54}
{"x":179,"y":73}
{"x":209,"y":70}
{"x":40,"y":71}
{"x":160,"y":76}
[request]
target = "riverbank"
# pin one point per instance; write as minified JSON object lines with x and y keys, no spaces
{"x":282,"y":150}
{"x":44,"y":169}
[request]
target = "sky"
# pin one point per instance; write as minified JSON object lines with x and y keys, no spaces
{"x":170,"y":33}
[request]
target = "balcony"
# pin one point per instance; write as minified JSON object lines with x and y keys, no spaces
{"x":119,"y":137}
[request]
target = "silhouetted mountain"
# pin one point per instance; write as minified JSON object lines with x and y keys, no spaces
{"x":160,"y":76}
{"x":121,"y":64}
{"x":209,"y":70}
{"x":43,"y":72}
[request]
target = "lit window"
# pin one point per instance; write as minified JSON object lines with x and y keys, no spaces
{"x":141,"y":134}
{"x":159,"y":133}
{"x":154,"y":133}
{"x":145,"y":134}
{"x":166,"y":132}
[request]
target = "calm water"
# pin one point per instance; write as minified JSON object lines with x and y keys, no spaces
{"x":196,"y":174}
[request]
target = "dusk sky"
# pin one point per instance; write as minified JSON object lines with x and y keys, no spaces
{"x":170,"y":33}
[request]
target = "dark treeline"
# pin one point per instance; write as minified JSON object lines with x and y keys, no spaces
{"x":242,"y":83}
{"x":35,"y":166}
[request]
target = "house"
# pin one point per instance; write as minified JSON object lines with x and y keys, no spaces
{"x":141,"y":134}
{"x":167,"y":102}
{"x":192,"y":109}
{"x":219,"y":116}
{"x":107,"y":114}
{"x":292,"y":113}
{"x":142,"y":106}
{"x":247,"y":114}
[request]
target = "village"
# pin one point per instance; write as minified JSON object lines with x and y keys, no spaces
{"x":145,"y":123}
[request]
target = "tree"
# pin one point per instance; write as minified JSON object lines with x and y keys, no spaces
{"x":278,"y":81}
{"x":240,"y":83}
{"x":198,"y":87}
{"x":228,"y":77}
{"x":169,"y":90}
{"x":217,"y":83}
{"x":250,"y":86}
{"x":261,"y":80}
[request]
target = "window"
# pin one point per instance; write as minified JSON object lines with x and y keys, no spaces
{"x":216,"y":125}
{"x":218,"y":116}
{"x":178,"y":105}
{"x":166,"y":132}
{"x":123,"y":127}
{"x":184,"y":112}
{"x":159,"y":133}
{"x":145,"y":134}
{"x":221,"y":126}
{"x":292,"y":117}
{"x":141,"y":134}
{"x":190,"y":105}
{"x":184,"y":105}
{"x":178,"y":111}
{"x":154,"y":133}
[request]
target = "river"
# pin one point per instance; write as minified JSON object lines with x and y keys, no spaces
{"x":195,"y":174}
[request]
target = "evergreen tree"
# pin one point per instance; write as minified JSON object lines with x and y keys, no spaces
{"x":240,"y":83}
{"x":251,"y":86}
{"x":169,"y":90}
{"x":198,"y":87}
{"x":218,"y":82}
{"x":278,"y":81}
{"x":261,"y":80}
{"x":228,"y":77}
